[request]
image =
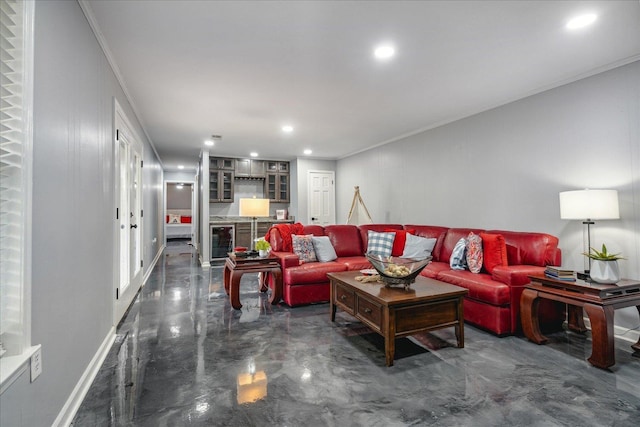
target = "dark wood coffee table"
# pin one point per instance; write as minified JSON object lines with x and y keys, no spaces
{"x":395,"y":312}
{"x":236,"y":266}
{"x":597,"y":300}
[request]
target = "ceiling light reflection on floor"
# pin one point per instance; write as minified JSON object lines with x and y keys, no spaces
{"x":581,"y":21}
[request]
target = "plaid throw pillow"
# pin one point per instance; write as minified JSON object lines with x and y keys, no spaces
{"x":380,"y":243}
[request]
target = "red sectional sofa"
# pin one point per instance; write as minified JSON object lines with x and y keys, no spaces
{"x":493,"y":302}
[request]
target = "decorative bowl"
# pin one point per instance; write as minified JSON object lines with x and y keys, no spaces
{"x":396,"y":270}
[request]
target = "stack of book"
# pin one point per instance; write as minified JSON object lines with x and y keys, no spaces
{"x":559,"y":273}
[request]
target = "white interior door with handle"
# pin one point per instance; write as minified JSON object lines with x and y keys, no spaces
{"x":321,"y":202}
{"x":128,"y":216}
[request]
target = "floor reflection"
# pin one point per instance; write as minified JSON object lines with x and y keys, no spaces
{"x":183,"y":356}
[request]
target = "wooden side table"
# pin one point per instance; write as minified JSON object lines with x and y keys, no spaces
{"x":235,"y":267}
{"x":599,"y":302}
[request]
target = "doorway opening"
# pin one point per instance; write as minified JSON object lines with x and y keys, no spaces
{"x":179,"y":216}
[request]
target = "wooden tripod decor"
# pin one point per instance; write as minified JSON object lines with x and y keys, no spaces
{"x":355,"y":216}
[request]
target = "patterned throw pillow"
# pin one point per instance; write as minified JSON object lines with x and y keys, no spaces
{"x":303,"y":247}
{"x":458,"y":260}
{"x":380,"y":243}
{"x":474,"y":252}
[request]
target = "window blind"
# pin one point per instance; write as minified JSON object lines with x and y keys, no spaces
{"x":15,"y":149}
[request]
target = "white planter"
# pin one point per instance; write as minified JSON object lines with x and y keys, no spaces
{"x":263,"y":253}
{"x":604,"y":271}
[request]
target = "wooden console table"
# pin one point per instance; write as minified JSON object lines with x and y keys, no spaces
{"x":235,"y":267}
{"x":599,"y":302}
{"x":393,"y":312}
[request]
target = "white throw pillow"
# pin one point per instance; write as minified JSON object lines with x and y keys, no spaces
{"x":418,"y":247}
{"x":324,"y":249}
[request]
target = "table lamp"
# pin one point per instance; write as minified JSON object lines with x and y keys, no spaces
{"x":254,"y":208}
{"x":589,"y":205}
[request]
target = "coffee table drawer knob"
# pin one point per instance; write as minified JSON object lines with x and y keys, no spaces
{"x":343,"y":297}
{"x":367,"y":310}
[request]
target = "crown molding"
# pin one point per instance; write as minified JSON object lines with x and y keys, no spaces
{"x":93,"y":23}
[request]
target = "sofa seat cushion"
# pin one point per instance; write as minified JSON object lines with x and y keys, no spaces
{"x":481,"y":286}
{"x":313,"y":272}
{"x":355,"y":262}
{"x":434,"y":268}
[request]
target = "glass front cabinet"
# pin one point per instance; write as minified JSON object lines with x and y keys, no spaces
{"x":277,"y":181}
{"x":220,"y":186}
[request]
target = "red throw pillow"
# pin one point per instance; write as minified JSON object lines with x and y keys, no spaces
{"x":495,"y":251}
{"x":399,"y":241}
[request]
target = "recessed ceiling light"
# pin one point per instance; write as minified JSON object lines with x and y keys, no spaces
{"x":287,"y":128}
{"x":180,"y":166}
{"x":581,"y":21}
{"x":208,"y":142}
{"x":384,"y":51}
{"x":307,"y":151}
{"x":253,"y":154}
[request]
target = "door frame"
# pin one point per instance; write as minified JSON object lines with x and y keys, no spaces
{"x":309,"y":198}
{"x":121,"y":302}
{"x":194,"y":213}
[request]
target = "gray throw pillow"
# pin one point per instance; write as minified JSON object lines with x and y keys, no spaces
{"x":324,"y":249}
{"x":418,"y":247}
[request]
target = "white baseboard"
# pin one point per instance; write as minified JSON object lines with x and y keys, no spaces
{"x":79,"y":392}
{"x":619,"y":332}
{"x":149,"y":269}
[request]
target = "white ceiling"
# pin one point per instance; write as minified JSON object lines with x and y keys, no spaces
{"x":242,"y":69}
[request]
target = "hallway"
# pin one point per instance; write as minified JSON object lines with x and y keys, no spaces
{"x":184,"y":357}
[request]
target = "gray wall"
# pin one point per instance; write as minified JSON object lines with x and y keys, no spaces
{"x":505,"y":167}
{"x":73,"y":210}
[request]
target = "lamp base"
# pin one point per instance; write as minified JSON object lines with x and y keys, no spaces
{"x":583,"y":276}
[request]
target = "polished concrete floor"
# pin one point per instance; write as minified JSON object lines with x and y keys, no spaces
{"x":184,"y":357}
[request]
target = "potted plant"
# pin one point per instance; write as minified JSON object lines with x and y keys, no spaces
{"x":604,"y":266}
{"x":262,"y":246}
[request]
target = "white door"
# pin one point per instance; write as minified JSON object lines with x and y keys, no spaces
{"x":129,"y":217}
{"x":322,"y":198}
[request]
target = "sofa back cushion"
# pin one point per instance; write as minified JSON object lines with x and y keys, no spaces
{"x":430,"y":231}
{"x":451,"y":238}
{"x":316,"y":230}
{"x":345,"y":239}
{"x":275,"y":239}
{"x":539,"y":249}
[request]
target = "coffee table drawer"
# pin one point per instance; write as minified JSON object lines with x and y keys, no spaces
{"x":345,"y":298}
{"x":370,"y":312}
{"x":427,"y":315}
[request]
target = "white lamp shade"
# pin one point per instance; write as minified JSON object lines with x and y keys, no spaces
{"x":589,"y":204}
{"x":254,"y":207}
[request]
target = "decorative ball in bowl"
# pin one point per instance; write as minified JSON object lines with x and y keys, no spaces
{"x":396,"y":270}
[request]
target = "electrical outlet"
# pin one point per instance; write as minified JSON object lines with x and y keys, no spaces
{"x":36,"y":364}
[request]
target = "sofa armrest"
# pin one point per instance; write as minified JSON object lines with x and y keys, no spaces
{"x":515,"y":275}
{"x":286,"y":259}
